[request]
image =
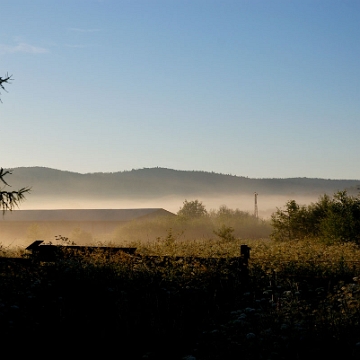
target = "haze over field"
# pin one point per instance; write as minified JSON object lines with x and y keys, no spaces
{"x":266,"y":204}
{"x":151,"y":188}
{"x":264,"y":89}
{"x":167,"y":188}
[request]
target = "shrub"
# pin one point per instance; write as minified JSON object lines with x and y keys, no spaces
{"x":192,"y":210}
{"x":335,"y":219}
{"x":225,"y":232}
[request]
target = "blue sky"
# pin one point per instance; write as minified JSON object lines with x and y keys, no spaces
{"x":257,"y":88}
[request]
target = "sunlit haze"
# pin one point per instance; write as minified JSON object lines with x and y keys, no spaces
{"x":263,"y":89}
{"x":266,"y":204}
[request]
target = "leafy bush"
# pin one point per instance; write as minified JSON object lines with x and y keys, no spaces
{"x":225,"y":233}
{"x":335,"y":219}
{"x":192,"y":210}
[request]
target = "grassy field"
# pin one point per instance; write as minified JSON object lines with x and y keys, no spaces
{"x":300,"y":299}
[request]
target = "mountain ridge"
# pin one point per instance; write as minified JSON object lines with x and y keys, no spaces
{"x":155,"y":182}
{"x":172,"y":170}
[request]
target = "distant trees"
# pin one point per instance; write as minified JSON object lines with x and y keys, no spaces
{"x":226,"y":223}
{"x":9,"y":199}
{"x":234,"y":223}
{"x":194,"y":222}
{"x":331,"y":219}
{"x":192,"y":210}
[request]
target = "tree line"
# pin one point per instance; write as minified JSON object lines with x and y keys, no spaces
{"x":331,"y":219}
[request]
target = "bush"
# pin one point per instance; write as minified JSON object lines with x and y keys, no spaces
{"x":225,"y":232}
{"x":192,"y":210}
{"x":335,"y":219}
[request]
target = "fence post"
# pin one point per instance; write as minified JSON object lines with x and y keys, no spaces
{"x":245,"y":254}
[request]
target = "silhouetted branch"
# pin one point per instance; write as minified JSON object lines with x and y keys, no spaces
{"x":2,"y":174}
{"x":5,"y":80}
{"x":10,"y":199}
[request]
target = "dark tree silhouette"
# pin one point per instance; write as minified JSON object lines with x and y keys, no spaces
{"x":5,"y":80}
{"x":9,"y":199}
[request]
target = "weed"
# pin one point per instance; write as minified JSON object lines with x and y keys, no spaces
{"x":298,"y":301}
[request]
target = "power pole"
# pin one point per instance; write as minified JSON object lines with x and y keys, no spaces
{"x":256,"y":213}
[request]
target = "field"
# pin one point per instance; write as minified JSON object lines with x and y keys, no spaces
{"x":300,"y":299}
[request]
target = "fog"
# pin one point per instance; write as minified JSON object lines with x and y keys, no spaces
{"x":266,"y":204}
{"x":10,"y":238}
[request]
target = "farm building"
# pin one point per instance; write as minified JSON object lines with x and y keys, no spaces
{"x":63,"y":221}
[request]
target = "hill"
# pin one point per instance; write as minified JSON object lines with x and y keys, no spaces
{"x":161,"y":187}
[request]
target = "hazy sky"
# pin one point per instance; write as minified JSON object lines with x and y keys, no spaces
{"x":257,"y":88}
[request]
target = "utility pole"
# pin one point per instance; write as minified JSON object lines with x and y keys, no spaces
{"x":256,"y":213}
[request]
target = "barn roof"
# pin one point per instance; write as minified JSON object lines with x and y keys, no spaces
{"x":83,"y":214}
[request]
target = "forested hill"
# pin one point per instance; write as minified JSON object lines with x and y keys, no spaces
{"x":160,"y":182}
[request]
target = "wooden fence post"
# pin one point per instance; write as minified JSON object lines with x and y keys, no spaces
{"x":245,"y":254}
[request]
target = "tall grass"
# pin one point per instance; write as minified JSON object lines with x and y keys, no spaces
{"x":301,"y":300}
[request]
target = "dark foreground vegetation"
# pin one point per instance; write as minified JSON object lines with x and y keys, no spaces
{"x":297,"y":302}
{"x":177,"y":298}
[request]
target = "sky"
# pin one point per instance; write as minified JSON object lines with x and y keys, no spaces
{"x":255,"y":88}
